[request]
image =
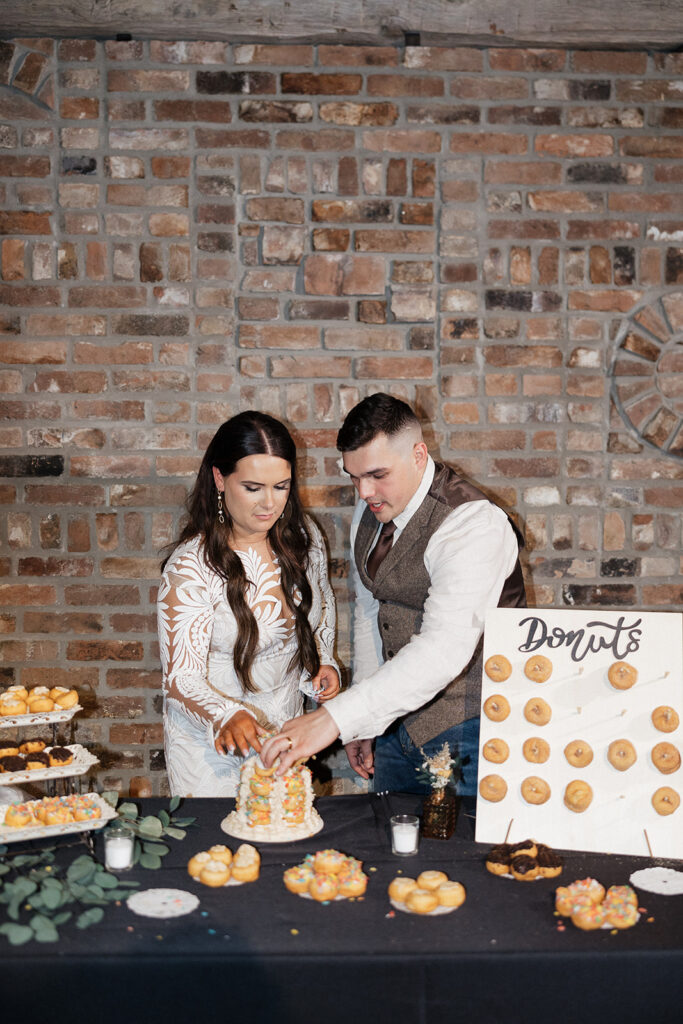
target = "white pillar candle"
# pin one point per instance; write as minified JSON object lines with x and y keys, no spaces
{"x":118,"y":852}
{"x":404,"y":834}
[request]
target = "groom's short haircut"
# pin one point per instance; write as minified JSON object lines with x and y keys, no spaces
{"x":377,"y":414}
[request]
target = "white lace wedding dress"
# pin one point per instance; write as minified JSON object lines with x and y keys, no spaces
{"x":197,"y":632}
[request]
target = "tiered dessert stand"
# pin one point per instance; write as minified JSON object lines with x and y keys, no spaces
{"x":82,"y":761}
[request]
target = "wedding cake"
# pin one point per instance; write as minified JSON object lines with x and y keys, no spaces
{"x":273,"y":808}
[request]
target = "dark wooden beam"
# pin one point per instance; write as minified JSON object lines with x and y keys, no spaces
{"x":585,"y":23}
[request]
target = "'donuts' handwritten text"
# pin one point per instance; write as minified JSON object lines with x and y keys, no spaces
{"x":620,"y":637}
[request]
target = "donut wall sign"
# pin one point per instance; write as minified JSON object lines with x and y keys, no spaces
{"x":582,"y":730}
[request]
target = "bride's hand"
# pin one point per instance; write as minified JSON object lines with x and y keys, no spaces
{"x":241,"y":732}
{"x":326,"y":682}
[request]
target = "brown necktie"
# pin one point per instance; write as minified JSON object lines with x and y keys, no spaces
{"x":381,"y":548}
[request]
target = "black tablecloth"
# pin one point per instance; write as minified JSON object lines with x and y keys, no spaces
{"x":257,"y":952}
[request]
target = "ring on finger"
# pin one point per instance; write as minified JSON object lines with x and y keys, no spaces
{"x":290,"y":741}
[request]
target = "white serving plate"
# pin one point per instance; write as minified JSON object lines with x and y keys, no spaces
{"x":39,"y":718}
{"x":437,"y":912}
{"x":232,"y":826}
{"x":17,"y":835}
{"x":82,"y":761}
{"x":162,"y":903}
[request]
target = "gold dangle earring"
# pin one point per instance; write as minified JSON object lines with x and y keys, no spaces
{"x":221,"y":517}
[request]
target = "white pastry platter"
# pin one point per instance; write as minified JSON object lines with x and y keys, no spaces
{"x":82,"y":761}
{"x":162,"y":903}
{"x":263,"y":834}
{"x":39,"y":718}
{"x":437,"y":912}
{"x":17,"y":835}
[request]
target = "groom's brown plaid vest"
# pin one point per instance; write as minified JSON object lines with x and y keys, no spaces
{"x":401,"y":586}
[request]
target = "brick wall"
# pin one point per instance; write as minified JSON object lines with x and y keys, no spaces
{"x":193,"y":228}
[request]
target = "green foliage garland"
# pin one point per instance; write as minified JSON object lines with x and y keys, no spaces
{"x":40,"y":895}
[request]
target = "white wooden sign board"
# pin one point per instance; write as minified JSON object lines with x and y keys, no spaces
{"x":582,"y":645}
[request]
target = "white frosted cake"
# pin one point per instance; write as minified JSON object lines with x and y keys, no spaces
{"x":272,"y":808}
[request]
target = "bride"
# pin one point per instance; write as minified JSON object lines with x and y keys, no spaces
{"x":246,"y":613}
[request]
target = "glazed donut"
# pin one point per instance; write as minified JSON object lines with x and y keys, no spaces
{"x":538,"y":668}
{"x":578,"y":753}
{"x":537,"y":711}
{"x":549,"y":862}
{"x":431,"y":879}
{"x":536,"y":750}
{"x":260,"y":786}
{"x":12,"y":706}
{"x":16,"y":691}
{"x":496,"y":750}
{"x":220,"y":852}
{"x":328,"y":862}
{"x":247,"y":854}
{"x":422,"y":901}
{"x":298,"y":878}
{"x":38,"y":691}
{"x":245,"y":872}
{"x":352,"y":883}
{"x":12,"y":763}
{"x":60,"y":756}
{"x":214,"y":873}
{"x":665,"y":800}
{"x":351,"y":866}
{"x":587,"y":890}
{"x":451,"y":894}
{"x":566,"y":900}
{"x":666,"y":758}
{"x":498,"y":668}
{"x":524,"y":868}
{"x":196,"y":864}
{"x":621,"y":754}
{"x":323,"y":887}
{"x":578,"y":796}
{"x":621,"y":675}
{"x":527,"y":847}
{"x":67,"y":700}
{"x":38,"y":761}
{"x":498,"y":861}
{"x":58,"y":815}
{"x":497,"y":708}
{"x":665,"y":719}
{"x":32,"y":746}
{"x":589,"y":917}
{"x":87,"y":812}
{"x":535,"y":790}
{"x":246,"y":863}
{"x":620,"y":906}
{"x":621,"y":893}
{"x":40,"y":705}
{"x":493,"y":788}
{"x":400,"y":887}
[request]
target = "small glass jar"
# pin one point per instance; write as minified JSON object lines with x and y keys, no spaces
{"x":438,"y":814}
{"x":119,"y":847}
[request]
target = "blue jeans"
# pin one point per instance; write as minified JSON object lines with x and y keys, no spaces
{"x":398,"y":760}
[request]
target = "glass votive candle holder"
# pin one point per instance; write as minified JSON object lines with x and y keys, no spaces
{"x":119,"y":847}
{"x":405,"y":834}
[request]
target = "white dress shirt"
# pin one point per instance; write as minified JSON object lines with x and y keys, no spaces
{"x":468,"y":559}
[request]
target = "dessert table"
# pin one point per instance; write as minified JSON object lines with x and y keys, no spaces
{"x":257,"y":952}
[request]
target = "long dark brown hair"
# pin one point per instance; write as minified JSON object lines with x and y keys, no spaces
{"x":254,"y":433}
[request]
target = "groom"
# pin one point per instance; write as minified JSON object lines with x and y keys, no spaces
{"x":430,"y":555}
